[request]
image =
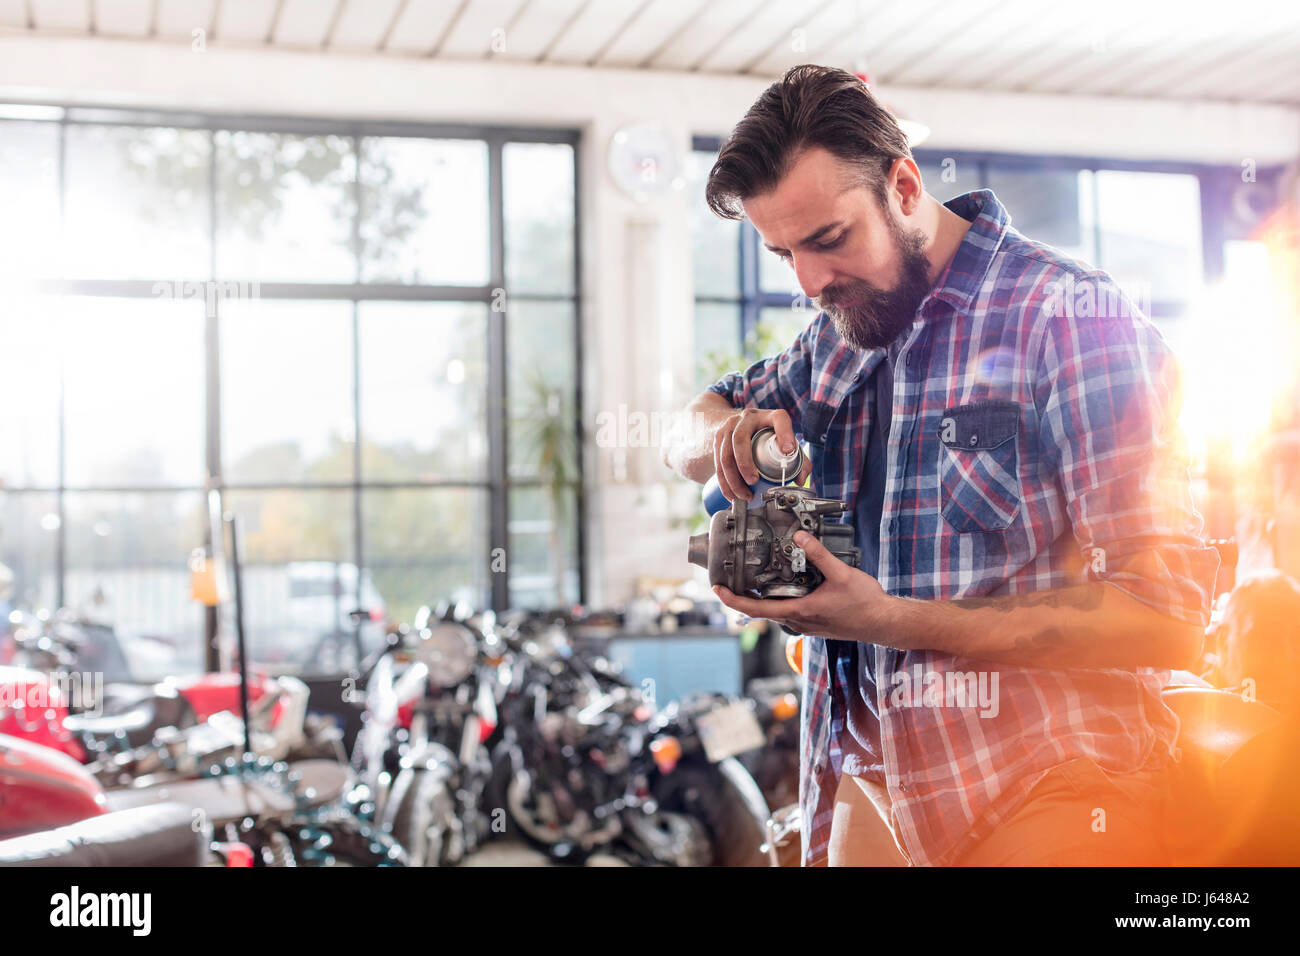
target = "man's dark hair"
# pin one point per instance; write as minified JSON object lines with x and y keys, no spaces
{"x":809,"y":106}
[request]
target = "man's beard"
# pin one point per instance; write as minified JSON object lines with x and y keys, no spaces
{"x":866,"y":317}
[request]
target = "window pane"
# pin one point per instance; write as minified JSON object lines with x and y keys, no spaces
{"x":29,"y":196}
{"x":29,"y":525}
{"x":299,"y":580}
{"x":715,"y":242}
{"x":127,"y":568}
{"x":425,"y":211}
{"x":947,"y":177}
{"x":543,"y":548}
{"x":423,"y":391}
{"x":286,"y":391}
{"x":29,"y":391}
{"x":717,"y":340}
{"x":538,"y":198}
{"x":426,"y":545}
{"x":540,"y":393}
{"x":137,"y":203}
{"x":285,"y":207}
{"x":1151,"y":232}
{"x":133,"y":391}
{"x":1050,"y":205}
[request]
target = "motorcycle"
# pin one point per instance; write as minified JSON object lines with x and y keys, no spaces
{"x":252,"y":812}
{"x":121,"y":729}
{"x":429,"y":710}
{"x":585,"y":765}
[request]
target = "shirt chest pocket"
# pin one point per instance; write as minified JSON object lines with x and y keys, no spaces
{"x":979,"y":471}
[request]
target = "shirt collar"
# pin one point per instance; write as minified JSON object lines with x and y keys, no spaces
{"x":958,"y":284}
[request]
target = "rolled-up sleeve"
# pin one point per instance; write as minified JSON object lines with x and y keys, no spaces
{"x":781,"y":381}
{"x":1108,"y":394}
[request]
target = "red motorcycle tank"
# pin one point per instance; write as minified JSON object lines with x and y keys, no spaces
{"x":32,"y":707}
{"x":41,"y":788}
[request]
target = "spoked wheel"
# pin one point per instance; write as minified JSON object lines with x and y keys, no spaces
{"x":425,"y":822}
{"x":550,"y":824}
{"x":670,"y":839}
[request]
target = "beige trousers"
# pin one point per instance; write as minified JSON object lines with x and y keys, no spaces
{"x":860,"y":830}
{"x":1076,"y":815}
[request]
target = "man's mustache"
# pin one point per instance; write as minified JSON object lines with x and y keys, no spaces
{"x":849,"y":295}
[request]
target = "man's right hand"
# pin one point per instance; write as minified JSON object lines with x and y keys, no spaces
{"x":733,"y":462}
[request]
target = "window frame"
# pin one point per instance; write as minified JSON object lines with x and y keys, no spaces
{"x":498,"y":482}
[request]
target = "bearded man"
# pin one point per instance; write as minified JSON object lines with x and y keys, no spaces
{"x":1002,"y":421}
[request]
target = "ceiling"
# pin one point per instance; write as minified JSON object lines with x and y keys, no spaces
{"x":1175,"y":49}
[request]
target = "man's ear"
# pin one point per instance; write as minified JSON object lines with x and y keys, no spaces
{"x":905,"y":184}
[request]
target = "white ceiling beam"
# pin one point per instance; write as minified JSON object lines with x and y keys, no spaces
{"x":940,"y":50}
{"x":123,"y":17}
{"x":656,"y":21}
{"x":62,"y":16}
{"x":834,"y":20}
{"x":558,"y":37}
{"x":784,"y":37}
{"x":474,"y":33}
{"x":613,"y":38}
{"x":692,"y":43}
{"x":180,"y":18}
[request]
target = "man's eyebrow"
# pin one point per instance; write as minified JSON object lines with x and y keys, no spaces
{"x":811,"y":237}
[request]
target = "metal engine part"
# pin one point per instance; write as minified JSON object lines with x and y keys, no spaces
{"x":750,"y":550}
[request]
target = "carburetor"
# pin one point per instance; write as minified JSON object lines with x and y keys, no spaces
{"x":751,"y":550}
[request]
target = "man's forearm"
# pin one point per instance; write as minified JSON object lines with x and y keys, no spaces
{"x":690,"y":447}
{"x":1093,"y":625}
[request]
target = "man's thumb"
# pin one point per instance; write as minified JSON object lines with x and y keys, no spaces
{"x":816,"y":551}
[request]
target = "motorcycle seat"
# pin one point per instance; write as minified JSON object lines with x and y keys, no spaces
{"x":1215,"y":728}
{"x":161,"y":835}
{"x":320,"y":781}
{"x":222,"y":800}
{"x":1214,"y":724}
{"x":137,"y":721}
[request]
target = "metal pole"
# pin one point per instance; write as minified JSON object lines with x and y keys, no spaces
{"x":239,"y":631}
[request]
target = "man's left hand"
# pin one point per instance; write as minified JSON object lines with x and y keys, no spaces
{"x":847,"y":606}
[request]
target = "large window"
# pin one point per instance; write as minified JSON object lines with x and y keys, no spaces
{"x":364,"y":336}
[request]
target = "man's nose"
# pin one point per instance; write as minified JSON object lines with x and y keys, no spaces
{"x":813,"y":276}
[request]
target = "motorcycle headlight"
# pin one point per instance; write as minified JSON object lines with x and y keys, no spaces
{"x":448,"y":651}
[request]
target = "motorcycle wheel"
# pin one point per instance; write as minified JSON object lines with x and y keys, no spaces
{"x":425,"y":821}
{"x":532,"y":815}
{"x":669,"y":839}
{"x":725,"y":799}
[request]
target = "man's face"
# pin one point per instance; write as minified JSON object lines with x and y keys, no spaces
{"x":854,"y":258}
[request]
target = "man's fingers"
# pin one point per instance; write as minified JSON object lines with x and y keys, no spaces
{"x":779,"y":609}
{"x":784,"y":431}
{"x":744,"y":455}
{"x":729,"y":478}
{"x":829,"y":565}
{"x":736,"y":602}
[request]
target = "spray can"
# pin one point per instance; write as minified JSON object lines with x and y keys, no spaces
{"x":775,"y":468}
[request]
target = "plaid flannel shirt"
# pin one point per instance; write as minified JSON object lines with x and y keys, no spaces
{"x":1034,"y":445}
